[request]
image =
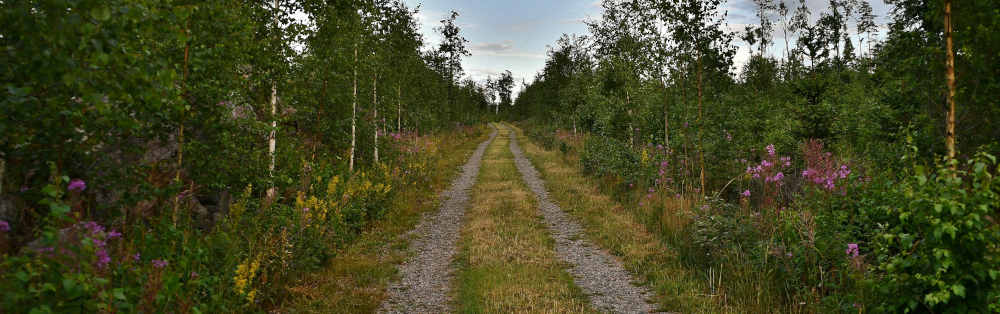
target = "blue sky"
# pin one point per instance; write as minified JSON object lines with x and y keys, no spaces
{"x":513,"y":34}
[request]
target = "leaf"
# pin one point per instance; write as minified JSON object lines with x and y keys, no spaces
{"x":100,"y":14}
{"x":119,"y":294}
{"x":69,"y":284}
{"x":959,"y":290}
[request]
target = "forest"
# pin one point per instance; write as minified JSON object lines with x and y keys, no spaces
{"x":224,"y":156}
{"x":875,"y":140}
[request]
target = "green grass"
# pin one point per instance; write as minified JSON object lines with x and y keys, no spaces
{"x":355,"y":281}
{"x":507,"y":262}
{"x":611,"y":226}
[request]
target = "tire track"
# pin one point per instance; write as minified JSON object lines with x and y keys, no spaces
{"x":426,"y":278}
{"x":597,"y":272}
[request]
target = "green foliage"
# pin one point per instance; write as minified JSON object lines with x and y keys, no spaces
{"x":938,"y":250}
{"x":603,"y":156}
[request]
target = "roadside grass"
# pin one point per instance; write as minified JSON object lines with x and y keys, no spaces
{"x":355,"y":281}
{"x":506,"y":262}
{"x":625,"y":234}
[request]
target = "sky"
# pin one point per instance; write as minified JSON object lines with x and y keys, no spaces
{"x":514,"y":34}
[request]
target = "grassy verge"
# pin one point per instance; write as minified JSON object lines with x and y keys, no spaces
{"x":623,"y":233}
{"x":507,"y":262}
{"x":355,"y":280}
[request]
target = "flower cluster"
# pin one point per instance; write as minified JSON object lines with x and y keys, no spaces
{"x":77,"y":185}
{"x":96,"y":234}
{"x":826,"y":178}
{"x":852,"y":249}
{"x":822,"y":168}
{"x":4,"y":227}
{"x":159,"y":263}
{"x":770,"y":170}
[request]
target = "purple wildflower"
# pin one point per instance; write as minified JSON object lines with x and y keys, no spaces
{"x":4,"y":227}
{"x":78,"y":185}
{"x":640,"y":203}
{"x":136,"y":257}
{"x":102,"y":258}
{"x":305,"y":210}
{"x":194,"y":275}
{"x":160,"y":263}
{"x":770,"y":149}
{"x":704,"y":207}
{"x":790,"y":255}
{"x":852,"y":249}
{"x":649,"y":195}
{"x":24,"y":189}
{"x":746,"y":193}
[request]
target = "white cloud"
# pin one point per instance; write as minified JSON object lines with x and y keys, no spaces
{"x":491,"y":47}
{"x":580,"y":20}
{"x":514,"y":54}
{"x":523,"y":27}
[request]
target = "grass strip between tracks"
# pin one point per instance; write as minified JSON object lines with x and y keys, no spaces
{"x":506,"y":261}
{"x":610,"y":226}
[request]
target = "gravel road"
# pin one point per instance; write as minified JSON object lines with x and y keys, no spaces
{"x":426,"y":278}
{"x":597,"y":272}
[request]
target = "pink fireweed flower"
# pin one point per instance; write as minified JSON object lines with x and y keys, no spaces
{"x":649,"y":195}
{"x":102,"y":258}
{"x":770,"y":150}
{"x":136,"y":257}
{"x":160,"y":263}
{"x":114,"y":234}
{"x":4,"y":227}
{"x":77,"y":185}
{"x":305,"y":210}
{"x":640,"y":204}
{"x":704,"y":207}
{"x":651,"y":190}
{"x":746,"y":193}
{"x":852,"y":250}
{"x":194,"y":275}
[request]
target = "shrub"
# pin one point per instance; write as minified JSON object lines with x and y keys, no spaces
{"x":938,"y":249}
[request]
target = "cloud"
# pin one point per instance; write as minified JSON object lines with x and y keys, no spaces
{"x":491,"y":47}
{"x":484,"y":72}
{"x":512,"y":54}
{"x":508,"y":41}
{"x":580,"y":20}
{"x":523,"y":27}
{"x":596,"y":5}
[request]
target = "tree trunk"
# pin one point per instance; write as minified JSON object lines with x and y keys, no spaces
{"x":375,"y":106}
{"x":950,"y":76}
{"x":666,"y":116}
{"x":274,"y":111}
{"x":354,"y":110}
{"x":399,"y":110}
{"x":701,"y":130}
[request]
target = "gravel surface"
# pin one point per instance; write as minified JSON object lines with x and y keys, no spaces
{"x":597,"y":272}
{"x":426,"y":278}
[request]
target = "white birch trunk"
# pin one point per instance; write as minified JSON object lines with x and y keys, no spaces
{"x":354,"y":110}
{"x":274,"y":127}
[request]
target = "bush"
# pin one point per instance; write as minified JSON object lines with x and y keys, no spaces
{"x":604,"y":155}
{"x":939,"y":247}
